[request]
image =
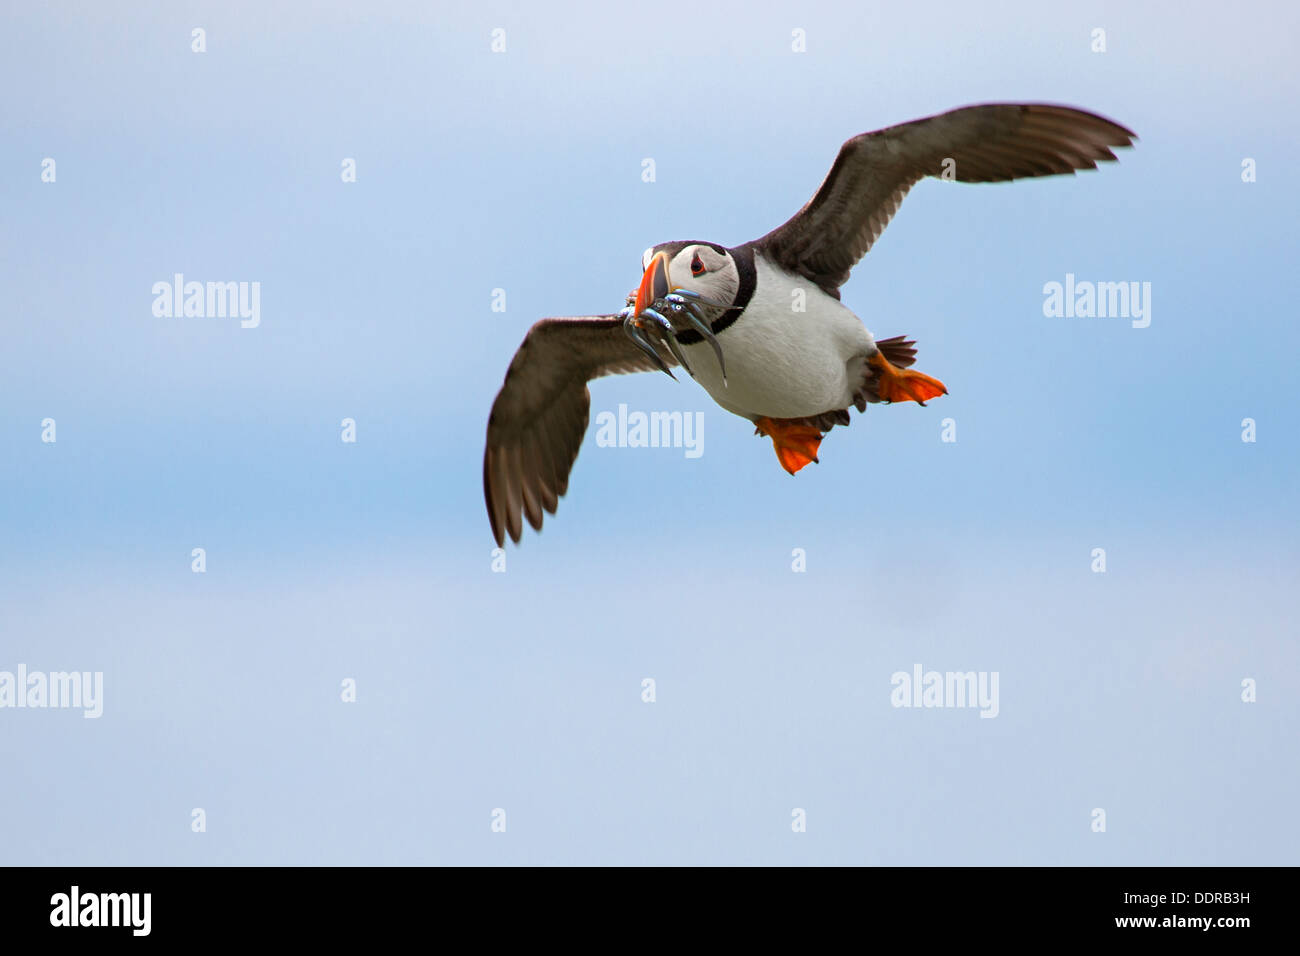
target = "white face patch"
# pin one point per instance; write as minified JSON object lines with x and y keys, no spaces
{"x":646,"y":257}
{"x":720,"y":280}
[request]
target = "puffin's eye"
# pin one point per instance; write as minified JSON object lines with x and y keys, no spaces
{"x":697,"y":265}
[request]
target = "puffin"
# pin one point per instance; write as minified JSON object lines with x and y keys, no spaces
{"x":760,"y":326}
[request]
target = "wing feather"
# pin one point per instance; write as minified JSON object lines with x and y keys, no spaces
{"x":873,"y":172}
{"x":540,"y":415}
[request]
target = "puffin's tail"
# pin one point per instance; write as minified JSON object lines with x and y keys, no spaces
{"x":890,"y":379}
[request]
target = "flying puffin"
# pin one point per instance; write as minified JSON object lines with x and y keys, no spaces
{"x":726,"y":315}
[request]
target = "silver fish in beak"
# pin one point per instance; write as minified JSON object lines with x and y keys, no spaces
{"x":657,"y":295}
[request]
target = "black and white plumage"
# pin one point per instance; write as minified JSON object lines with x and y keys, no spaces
{"x":793,"y":373}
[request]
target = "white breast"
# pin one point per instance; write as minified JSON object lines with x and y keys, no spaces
{"x":784,"y":363}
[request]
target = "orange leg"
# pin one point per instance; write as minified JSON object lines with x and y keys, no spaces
{"x":796,"y":443}
{"x":894,"y":384}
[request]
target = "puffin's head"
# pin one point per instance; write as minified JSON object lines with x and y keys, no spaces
{"x":700,"y":267}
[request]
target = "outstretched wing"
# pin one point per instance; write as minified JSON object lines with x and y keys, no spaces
{"x":540,"y":414}
{"x":995,"y":142}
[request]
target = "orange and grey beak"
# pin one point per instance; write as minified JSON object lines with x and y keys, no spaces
{"x":654,"y":284}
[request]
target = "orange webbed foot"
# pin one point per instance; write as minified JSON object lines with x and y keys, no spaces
{"x":796,"y":444}
{"x":894,"y":384}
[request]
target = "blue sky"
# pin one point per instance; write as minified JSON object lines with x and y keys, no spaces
{"x":522,"y":690}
